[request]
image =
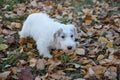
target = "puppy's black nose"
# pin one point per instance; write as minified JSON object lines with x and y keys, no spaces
{"x":69,"y":47}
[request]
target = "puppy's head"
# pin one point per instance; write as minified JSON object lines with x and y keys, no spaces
{"x":65,"y":38}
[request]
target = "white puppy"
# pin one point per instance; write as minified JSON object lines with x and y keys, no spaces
{"x":48,"y":33}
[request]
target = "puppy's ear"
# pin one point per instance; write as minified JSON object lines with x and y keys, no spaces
{"x":74,"y":30}
{"x":57,"y":34}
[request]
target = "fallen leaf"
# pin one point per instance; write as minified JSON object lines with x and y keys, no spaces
{"x":56,"y":76}
{"x":59,"y":7}
{"x":4,"y":75}
{"x":91,"y":72}
{"x":98,"y":70}
{"x":8,"y":32}
{"x":53,"y":65}
{"x":34,"y":3}
{"x":79,"y":79}
{"x":70,"y":69}
{"x":10,"y":39}
{"x":25,"y":74}
{"x":117,"y":54}
{"x":16,"y":25}
{"x":100,"y":57}
{"x":84,"y":61}
{"x":1,"y":18}
{"x":88,"y":21}
{"x":0,"y":30}
{"x":117,"y":41}
{"x":40,"y":65}
{"x":109,"y":44}
{"x":3,"y":46}
{"x":102,"y":39}
{"x":33,"y":62}
{"x":29,"y":45}
{"x":80,"y":51}
{"x":22,"y":41}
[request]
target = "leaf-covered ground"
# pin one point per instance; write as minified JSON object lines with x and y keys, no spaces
{"x":97,"y":56}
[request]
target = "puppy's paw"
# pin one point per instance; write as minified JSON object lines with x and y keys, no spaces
{"x":48,"y":56}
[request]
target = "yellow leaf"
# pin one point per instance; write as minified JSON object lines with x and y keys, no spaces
{"x":29,"y":45}
{"x":107,"y":20}
{"x":59,"y":7}
{"x":102,"y":39}
{"x":88,"y":21}
{"x":84,"y":61}
{"x":109,"y":44}
{"x":70,"y":69}
{"x":33,"y":62}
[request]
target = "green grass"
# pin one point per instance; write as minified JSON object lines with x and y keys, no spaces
{"x":12,"y":59}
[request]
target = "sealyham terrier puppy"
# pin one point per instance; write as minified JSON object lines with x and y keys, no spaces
{"x":48,"y":34}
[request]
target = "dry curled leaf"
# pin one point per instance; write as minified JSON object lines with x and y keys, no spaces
{"x":26,"y":74}
{"x":59,"y":7}
{"x":16,"y":25}
{"x":40,"y":65}
{"x":22,"y":41}
{"x":4,"y":75}
{"x":100,"y":57}
{"x":33,"y":62}
{"x":10,"y":40}
{"x":80,"y":51}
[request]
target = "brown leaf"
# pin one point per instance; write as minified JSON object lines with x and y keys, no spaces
{"x":4,"y":75}
{"x":117,"y":41}
{"x":98,"y":70}
{"x":117,"y":54}
{"x":53,"y":65}
{"x":58,"y":75}
{"x":22,"y":41}
{"x":16,"y":25}
{"x":100,"y":57}
{"x":0,"y":30}
{"x":40,"y":64}
{"x":26,"y":74}
{"x":10,"y":39}
{"x":1,"y":18}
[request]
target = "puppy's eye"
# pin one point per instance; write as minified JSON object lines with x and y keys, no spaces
{"x":62,"y":37}
{"x":71,"y":36}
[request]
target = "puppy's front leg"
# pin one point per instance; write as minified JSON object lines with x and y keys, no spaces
{"x":43,"y":49}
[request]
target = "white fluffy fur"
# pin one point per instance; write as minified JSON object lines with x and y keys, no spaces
{"x":47,"y":33}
